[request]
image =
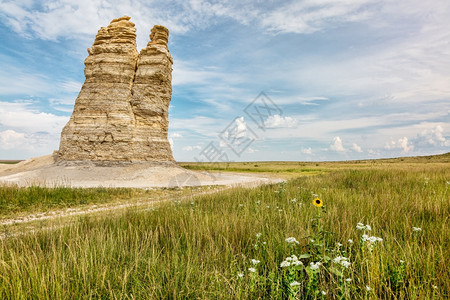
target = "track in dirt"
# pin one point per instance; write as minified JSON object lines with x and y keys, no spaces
{"x":103,"y":208}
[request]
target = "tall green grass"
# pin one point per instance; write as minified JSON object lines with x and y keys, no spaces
{"x":202,"y":248}
{"x":14,"y":199}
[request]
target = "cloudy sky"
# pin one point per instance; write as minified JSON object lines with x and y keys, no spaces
{"x":328,"y":79}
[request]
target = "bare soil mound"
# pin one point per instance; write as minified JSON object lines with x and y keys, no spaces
{"x":46,"y":171}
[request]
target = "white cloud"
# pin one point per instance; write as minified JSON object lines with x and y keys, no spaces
{"x":238,"y":130}
{"x":310,"y":16}
{"x":10,"y":139}
{"x":71,"y":86}
{"x":337,"y":145}
{"x":16,"y":81}
{"x":310,"y":100}
{"x":28,"y":131}
{"x":277,"y":121}
{"x":202,"y":125}
{"x":401,"y":143}
{"x":250,"y":150}
{"x":78,"y":19}
{"x":432,"y":137}
{"x":307,"y":150}
{"x":22,"y":117}
{"x":356,"y":148}
{"x":175,"y":135}
{"x":185,"y":73}
{"x":191,"y":148}
{"x":373,"y":152}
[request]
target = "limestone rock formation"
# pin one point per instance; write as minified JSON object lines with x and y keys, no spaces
{"x":121,"y":113}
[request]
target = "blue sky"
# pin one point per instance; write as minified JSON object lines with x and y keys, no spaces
{"x":352,"y":79}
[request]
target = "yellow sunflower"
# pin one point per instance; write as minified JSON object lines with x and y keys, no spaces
{"x":317,"y":202}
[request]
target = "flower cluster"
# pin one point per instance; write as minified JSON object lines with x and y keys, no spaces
{"x":343,"y":261}
{"x":294,"y":283}
{"x":370,"y":241}
{"x":416,"y":229}
{"x":291,"y":261}
{"x":315,"y":266}
{"x":292,"y":240}
{"x":361,"y":226}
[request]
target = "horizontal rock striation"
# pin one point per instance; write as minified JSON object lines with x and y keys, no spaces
{"x":121,"y":113}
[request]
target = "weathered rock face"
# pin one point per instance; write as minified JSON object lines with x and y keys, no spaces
{"x":121,"y":113}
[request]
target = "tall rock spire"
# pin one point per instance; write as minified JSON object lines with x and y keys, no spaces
{"x":121,"y":113}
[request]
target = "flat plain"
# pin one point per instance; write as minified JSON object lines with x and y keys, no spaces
{"x":375,"y":229}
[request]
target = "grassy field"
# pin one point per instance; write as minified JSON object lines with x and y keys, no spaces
{"x":9,"y":162}
{"x":382,"y":233}
{"x":16,"y":200}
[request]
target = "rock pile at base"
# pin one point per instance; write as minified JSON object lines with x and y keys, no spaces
{"x":121,"y":113}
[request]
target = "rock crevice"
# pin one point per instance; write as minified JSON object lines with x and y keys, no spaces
{"x":121,"y":112}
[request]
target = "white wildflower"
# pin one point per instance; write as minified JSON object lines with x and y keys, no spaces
{"x":241,"y":205}
{"x":285,"y":264}
{"x":370,"y":240}
{"x":339,"y":244}
{"x":343,"y":261}
{"x":416,"y":229}
{"x":402,"y":261}
{"x":294,"y":283}
{"x":435,"y":287}
{"x":324,"y":293}
{"x":345,"y":264}
{"x":338,"y":259}
{"x":350,"y":241}
{"x":314,"y":266}
{"x":361,"y":226}
{"x":264,"y":243}
{"x":258,"y":235}
{"x":294,"y":200}
{"x":240,"y":275}
{"x":255,"y":261}
{"x":253,"y":270}
{"x":348,"y":279}
{"x":297,"y":263}
{"x":292,"y":240}
{"x":291,"y":261}
{"x":368,"y":288}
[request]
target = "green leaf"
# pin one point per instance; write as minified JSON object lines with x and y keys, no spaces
{"x":305,"y":256}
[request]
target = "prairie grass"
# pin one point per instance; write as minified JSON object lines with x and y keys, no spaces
{"x":14,"y":199}
{"x":203,"y":247}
